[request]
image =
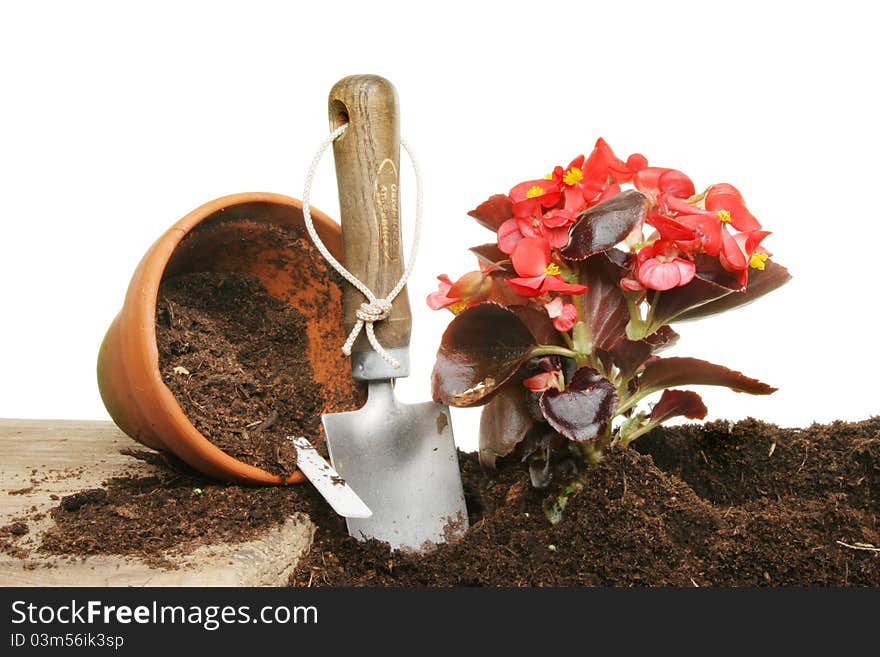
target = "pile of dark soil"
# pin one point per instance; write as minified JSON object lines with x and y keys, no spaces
{"x":748,"y":504}
{"x":174,"y":512}
{"x":237,"y":361}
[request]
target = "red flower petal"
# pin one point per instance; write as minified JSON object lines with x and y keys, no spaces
{"x":686,"y":269}
{"x":558,"y":237}
{"x":526,"y":287}
{"x":558,"y":218}
{"x":566,"y":318}
{"x":708,"y":229}
{"x":727,"y":197}
{"x":440,"y":298}
{"x":609,"y":192}
{"x":675,"y":183}
{"x":603,"y":159}
{"x":657,"y":275}
{"x":531,"y":257}
{"x":636,"y":162}
{"x":731,"y":256}
{"x":556,"y":284}
{"x":670,"y":229}
{"x":749,"y":241}
{"x":509,"y":236}
{"x":525,"y":202}
{"x":658,"y":180}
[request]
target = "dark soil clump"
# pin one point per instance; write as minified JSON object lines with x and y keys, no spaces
{"x":700,"y":506}
{"x":173,"y":513}
{"x":236,"y":360}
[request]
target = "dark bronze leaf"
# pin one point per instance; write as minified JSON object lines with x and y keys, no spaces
{"x":493,"y":256}
{"x":503,"y":424}
{"x":708,"y":284}
{"x":493,"y":212}
{"x":630,"y":355}
{"x":582,"y":411}
{"x":604,"y":225}
{"x":604,"y":304}
{"x":714,"y":290}
{"x":760,"y":283}
{"x":662,"y":338}
{"x":539,"y":324}
{"x":481,"y":350}
{"x":674,"y":403}
{"x":677,"y":371}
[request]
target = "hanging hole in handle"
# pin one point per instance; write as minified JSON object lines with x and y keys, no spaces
{"x":338,"y":114}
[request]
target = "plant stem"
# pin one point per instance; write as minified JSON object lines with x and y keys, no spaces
{"x":635,"y":330}
{"x":553,"y":350}
{"x":581,"y":334}
{"x":630,"y":402}
{"x":649,"y":319}
{"x":624,"y":441}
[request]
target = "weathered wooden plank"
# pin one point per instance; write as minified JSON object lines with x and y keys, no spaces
{"x":41,"y":458}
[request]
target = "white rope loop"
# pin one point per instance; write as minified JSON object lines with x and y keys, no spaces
{"x":373,"y":309}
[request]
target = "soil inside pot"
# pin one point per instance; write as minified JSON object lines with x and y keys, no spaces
{"x":748,"y":504}
{"x":237,"y":361}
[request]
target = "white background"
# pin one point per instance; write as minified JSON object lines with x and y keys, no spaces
{"x":116,"y":119}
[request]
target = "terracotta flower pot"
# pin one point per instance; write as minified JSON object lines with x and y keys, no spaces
{"x":237,"y":233}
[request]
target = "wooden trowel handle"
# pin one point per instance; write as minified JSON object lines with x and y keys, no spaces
{"x":367,"y":173}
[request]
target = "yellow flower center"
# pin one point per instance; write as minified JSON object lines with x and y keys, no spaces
{"x":724,"y":216}
{"x":534,"y":191}
{"x":552,"y":269}
{"x":757,"y":261}
{"x":549,"y":176}
{"x":573,"y":176}
{"x":457,"y":307}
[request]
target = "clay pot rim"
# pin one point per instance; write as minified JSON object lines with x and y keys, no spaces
{"x":154,"y":267}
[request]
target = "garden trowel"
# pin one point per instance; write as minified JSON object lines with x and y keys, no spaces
{"x":400,"y":458}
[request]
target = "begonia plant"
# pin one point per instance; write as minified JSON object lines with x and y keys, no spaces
{"x":557,"y":333}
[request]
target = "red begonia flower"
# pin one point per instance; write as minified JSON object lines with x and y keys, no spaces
{"x":725,"y":198}
{"x":440,"y":298}
{"x":587,"y":182}
{"x":563,"y":314}
{"x":529,"y":197}
{"x":472,"y":288}
{"x":724,"y":205}
{"x":750,"y":254}
{"x":660,"y":266}
{"x":538,"y":274}
{"x":553,"y":226}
